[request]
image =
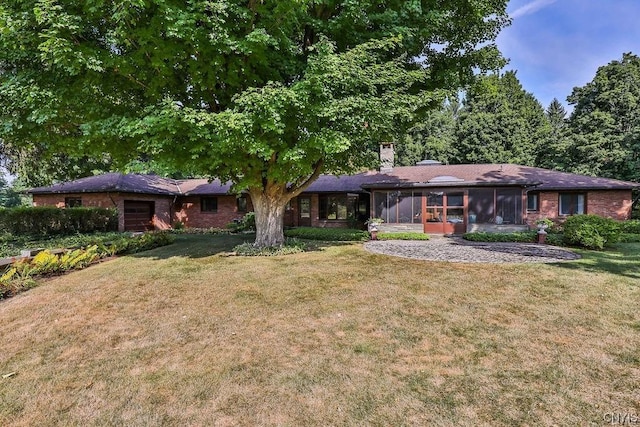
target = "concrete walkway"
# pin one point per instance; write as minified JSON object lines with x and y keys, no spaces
{"x":456,"y":249}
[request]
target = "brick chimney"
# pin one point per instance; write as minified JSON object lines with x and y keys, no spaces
{"x":387,"y":155}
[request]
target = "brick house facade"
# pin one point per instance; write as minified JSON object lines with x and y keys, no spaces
{"x":615,"y":204}
{"x":193,"y":211}
{"x":432,"y":198}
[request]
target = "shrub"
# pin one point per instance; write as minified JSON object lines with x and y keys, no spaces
{"x":291,"y":246}
{"x":194,"y":230}
{"x":630,"y":227}
{"x":555,"y":239}
{"x":47,"y":221}
{"x":591,"y":231}
{"x":328,"y":234}
{"x":19,"y":276}
{"x":629,"y":238}
{"x":247,"y":223}
{"x":407,"y":235}
{"x":127,"y":244}
{"x":518,"y":237}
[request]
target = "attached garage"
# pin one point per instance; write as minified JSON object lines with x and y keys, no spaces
{"x":138,"y":215}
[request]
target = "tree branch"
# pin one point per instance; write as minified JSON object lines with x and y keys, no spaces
{"x":297,"y":190}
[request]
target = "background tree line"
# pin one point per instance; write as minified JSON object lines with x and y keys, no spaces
{"x":498,"y":121}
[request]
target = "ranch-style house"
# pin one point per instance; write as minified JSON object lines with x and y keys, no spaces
{"x":429,"y":197}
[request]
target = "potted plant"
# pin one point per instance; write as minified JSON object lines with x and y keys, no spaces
{"x":543,"y":224}
{"x":373,"y":224}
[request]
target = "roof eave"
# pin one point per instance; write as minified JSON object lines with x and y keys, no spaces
{"x":389,"y":185}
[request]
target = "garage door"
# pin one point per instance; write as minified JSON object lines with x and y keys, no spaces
{"x":138,"y":215}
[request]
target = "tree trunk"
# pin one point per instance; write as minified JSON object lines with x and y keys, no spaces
{"x":269,"y":212}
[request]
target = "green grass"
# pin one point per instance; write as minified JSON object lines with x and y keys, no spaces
{"x":621,"y":260}
{"x":187,"y":335}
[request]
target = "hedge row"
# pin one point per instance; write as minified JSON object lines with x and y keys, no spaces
{"x":52,"y":221}
{"x":405,"y":235}
{"x":327,"y":234}
{"x":587,"y":231}
{"x":630,"y":227}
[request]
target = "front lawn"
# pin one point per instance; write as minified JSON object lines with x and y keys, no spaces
{"x":188,"y":335}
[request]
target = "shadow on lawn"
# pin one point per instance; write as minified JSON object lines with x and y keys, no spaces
{"x":205,"y":245}
{"x":623,"y":260}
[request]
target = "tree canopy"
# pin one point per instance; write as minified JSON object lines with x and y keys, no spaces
{"x":433,"y":138}
{"x":268,"y":94}
{"x":500,"y":122}
{"x":605,"y":123}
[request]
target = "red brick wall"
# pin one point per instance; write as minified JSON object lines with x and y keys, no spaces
{"x":610,"y":204}
{"x":188,"y":211}
{"x":100,"y":200}
{"x":161,"y":218}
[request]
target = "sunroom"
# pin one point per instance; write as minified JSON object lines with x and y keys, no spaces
{"x":451,"y":210}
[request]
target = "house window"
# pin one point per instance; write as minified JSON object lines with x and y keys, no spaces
{"x":72,"y":202}
{"x":241,"y":203}
{"x":497,"y":206}
{"x":571,"y":203}
{"x":209,"y":204}
{"x":532,"y":201}
{"x":333,"y":207}
{"x":398,"y":206}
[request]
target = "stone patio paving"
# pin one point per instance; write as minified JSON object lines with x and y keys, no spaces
{"x":456,"y":249}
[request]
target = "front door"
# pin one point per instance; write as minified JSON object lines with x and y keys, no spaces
{"x":304,"y":211}
{"x":444,"y":212}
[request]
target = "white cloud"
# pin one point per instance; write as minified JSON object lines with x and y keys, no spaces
{"x":530,"y":8}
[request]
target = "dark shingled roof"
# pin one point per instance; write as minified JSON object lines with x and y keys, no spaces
{"x":115,"y":182}
{"x":493,"y":175}
{"x":341,"y":183}
{"x":197,"y":187}
{"x":399,"y":177}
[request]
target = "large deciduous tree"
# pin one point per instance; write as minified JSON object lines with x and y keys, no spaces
{"x":268,"y":94}
{"x":605,"y":122}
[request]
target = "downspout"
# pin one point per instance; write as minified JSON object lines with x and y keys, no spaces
{"x":172,"y":209}
{"x":112,"y":201}
{"x":525,"y":210}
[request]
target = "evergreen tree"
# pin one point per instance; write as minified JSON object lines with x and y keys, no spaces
{"x":552,"y":151}
{"x":433,"y":138}
{"x":500,"y":123}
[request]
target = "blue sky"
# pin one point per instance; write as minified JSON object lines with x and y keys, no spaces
{"x":556,"y":45}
